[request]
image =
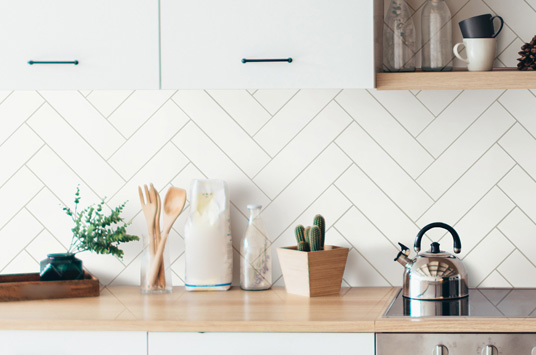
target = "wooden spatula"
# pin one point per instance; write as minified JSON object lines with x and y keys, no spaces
{"x":161,"y":274}
{"x":173,"y":204}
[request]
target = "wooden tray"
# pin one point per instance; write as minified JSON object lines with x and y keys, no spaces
{"x":22,"y":287}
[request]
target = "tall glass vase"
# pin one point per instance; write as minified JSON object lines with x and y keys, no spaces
{"x":436,"y":28}
{"x":399,"y":38}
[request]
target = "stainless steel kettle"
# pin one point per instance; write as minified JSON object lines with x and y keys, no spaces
{"x":434,"y":274}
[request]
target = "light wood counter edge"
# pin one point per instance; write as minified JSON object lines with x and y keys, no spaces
{"x":372,"y":321}
{"x":459,"y":325}
{"x":451,"y":325}
{"x":161,"y":322}
{"x":197,"y":327}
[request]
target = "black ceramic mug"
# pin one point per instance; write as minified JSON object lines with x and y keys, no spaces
{"x":480,"y":26}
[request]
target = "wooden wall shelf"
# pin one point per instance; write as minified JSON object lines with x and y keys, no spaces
{"x":499,"y":78}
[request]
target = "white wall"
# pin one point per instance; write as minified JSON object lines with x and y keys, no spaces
{"x":378,"y":165}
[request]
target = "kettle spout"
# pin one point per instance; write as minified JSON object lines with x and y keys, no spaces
{"x":403,"y":256}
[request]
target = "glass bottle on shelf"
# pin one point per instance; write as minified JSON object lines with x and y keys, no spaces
{"x":398,"y":38}
{"x":255,"y":260}
{"x":436,"y":30}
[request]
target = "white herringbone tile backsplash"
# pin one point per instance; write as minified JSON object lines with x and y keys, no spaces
{"x":378,"y":165}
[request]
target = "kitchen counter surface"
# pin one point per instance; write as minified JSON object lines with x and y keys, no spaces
{"x":124,"y":308}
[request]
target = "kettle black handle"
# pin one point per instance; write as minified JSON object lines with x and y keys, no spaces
{"x":455,"y":236}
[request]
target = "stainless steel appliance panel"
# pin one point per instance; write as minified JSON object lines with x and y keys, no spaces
{"x":455,"y":344}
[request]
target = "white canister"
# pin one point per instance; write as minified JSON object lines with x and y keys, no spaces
{"x":207,"y":237}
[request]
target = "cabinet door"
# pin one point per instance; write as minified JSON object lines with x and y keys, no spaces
{"x":15,"y":342}
{"x":262,"y":343}
{"x":115,"y":44}
{"x":330,"y":42}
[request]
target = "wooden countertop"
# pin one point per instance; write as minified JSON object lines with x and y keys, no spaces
{"x":124,"y":308}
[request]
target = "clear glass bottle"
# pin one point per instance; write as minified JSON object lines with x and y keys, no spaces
{"x":436,"y":30}
{"x":398,"y":38}
{"x":256,"y":257}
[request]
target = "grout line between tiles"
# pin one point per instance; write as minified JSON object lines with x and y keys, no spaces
{"x":221,"y":150}
{"x":117,"y":108}
{"x":368,"y":262}
{"x":143,"y":124}
{"x":5,"y":98}
{"x":381,"y":148}
{"x":104,"y":117}
{"x":260,"y":104}
{"x":498,"y":265}
{"x":369,"y":220}
{"x":307,"y":124}
{"x":67,"y":165}
{"x":452,"y":144}
{"x":400,"y":124}
{"x":462,"y":175}
{"x":439,"y":114}
{"x":20,"y":209}
{"x":275,"y":113}
{"x":313,"y":202}
{"x":238,"y":124}
{"x":27,"y":244}
{"x":23,"y":165}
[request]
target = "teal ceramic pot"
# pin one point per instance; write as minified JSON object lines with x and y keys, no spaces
{"x":61,"y":266}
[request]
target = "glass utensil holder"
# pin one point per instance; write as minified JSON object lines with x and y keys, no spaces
{"x":162,"y":282}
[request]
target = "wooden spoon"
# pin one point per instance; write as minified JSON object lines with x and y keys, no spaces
{"x":173,"y":204}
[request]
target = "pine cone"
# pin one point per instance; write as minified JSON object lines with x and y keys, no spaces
{"x":528,"y":56}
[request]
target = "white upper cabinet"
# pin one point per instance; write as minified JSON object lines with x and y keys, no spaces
{"x":203,"y":42}
{"x":115,"y":43}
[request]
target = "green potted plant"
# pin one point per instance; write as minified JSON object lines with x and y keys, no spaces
{"x":311,"y":268}
{"x":94,"y":231}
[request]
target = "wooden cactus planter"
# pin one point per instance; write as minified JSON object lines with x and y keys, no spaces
{"x":315,"y":273}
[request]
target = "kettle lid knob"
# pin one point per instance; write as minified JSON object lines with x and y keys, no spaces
{"x":435,"y":248}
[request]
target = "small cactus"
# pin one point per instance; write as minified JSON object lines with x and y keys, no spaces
{"x":312,"y":238}
{"x":307,"y":234}
{"x":320,"y":222}
{"x":300,"y":237}
{"x":303,"y":246}
{"x":315,"y":238}
{"x":300,"y":233}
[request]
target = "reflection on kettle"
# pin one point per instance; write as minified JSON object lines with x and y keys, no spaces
{"x":426,"y":308}
{"x":434,"y":275}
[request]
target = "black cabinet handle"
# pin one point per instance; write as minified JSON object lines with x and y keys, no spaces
{"x":244,"y":60}
{"x":32,"y":62}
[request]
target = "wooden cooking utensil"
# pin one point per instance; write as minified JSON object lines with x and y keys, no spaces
{"x":173,"y":204}
{"x":149,"y":207}
{"x":161,"y":274}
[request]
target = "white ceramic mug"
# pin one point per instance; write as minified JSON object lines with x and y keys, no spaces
{"x":480,"y":53}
